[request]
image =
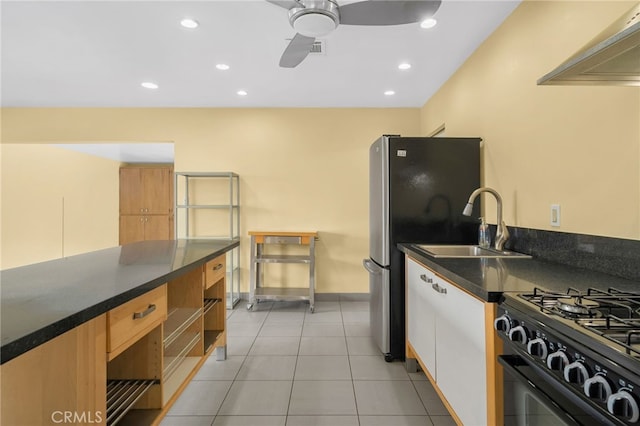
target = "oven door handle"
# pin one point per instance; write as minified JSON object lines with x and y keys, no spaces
{"x":511,"y":364}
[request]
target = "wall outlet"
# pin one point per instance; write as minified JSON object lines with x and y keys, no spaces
{"x":555,"y":214}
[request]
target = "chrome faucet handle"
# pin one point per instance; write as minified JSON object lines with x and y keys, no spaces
{"x":502,"y":235}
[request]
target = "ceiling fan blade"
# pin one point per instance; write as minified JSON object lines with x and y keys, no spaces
{"x":388,"y":12}
{"x":287,"y":4}
{"x":296,"y":51}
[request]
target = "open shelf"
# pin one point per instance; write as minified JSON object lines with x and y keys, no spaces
{"x":283,"y":258}
{"x":207,"y":206}
{"x":122,"y":395}
{"x":260,"y":241}
{"x":209,"y":304}
{"x":182,"y":371}
{"x":172,"y":361}
{"x":178,"y":320}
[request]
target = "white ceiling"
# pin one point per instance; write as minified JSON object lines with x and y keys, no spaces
{"x":96,"y":54}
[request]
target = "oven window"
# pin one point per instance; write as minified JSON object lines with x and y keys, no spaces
{"x":533,"y":398}
{"x":523,"y":407}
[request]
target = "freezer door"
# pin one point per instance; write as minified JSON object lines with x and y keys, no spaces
{"x":379,"y":304}
{"x":379,"y":201}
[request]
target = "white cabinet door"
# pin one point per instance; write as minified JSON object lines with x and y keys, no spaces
{"x":421,"y":320}
{"x":461,"y":354}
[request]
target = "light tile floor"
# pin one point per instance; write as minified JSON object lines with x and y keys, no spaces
{"x":289,"y":367}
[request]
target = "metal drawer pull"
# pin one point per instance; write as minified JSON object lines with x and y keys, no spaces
{"x":424,"y":278}
{"x":217,"y":267}
{"x":138,"y":315}
{"x":439,"y":289}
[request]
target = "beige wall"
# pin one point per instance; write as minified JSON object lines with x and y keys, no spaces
{"x":300,"y":169}
{"x":574,"y":146}
{"x":55,"y":203}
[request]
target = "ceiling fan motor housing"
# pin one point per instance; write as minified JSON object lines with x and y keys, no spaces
{"x":316,"y":18}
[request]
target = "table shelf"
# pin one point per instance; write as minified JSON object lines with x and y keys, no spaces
{"x":258,"y":290}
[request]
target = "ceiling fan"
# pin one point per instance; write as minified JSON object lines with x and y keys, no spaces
{"x":316,"y":18}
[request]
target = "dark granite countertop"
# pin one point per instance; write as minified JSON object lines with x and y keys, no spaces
{"x":41,"y":301}
{"x":488,"y":278}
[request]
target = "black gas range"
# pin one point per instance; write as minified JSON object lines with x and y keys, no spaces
{"x":572,"y":357}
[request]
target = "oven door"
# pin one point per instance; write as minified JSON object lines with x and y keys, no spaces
{"x":532,"y":397}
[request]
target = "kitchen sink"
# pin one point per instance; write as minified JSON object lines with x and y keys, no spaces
{"x":464,"y":251}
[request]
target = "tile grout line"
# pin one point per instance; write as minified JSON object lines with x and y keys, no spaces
{"x":240,"y":368}
{"x":353,"y":384}
{"x":293,"y":379}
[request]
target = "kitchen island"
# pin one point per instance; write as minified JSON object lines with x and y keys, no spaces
{"x":141,"y":317}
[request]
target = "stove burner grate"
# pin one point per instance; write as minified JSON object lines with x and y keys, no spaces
{"x":623,"y":331}
{"x":593,"y":303}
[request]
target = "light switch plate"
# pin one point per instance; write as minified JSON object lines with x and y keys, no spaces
{"x":555,"y":214}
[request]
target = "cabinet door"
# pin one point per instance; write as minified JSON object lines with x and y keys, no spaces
{"x":461,"y":353}
{"x":158,"y":227}
{"x":132,"y":229}
{"x":421,"y":315}
{"x":157,"y":190}
{"x":131,"y":191}
{"x":146,"y":190}
{"x":65,"y":374}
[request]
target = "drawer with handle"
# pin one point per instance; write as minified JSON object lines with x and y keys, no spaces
{"x":130,"y":321}
{"x":215,"y":270}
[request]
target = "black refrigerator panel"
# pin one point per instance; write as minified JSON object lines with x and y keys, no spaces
{"x":430,"y":180}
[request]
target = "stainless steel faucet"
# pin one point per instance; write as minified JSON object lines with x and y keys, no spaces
{"x":502,"y":234}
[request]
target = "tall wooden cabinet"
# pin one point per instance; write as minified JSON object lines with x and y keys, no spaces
{"x":146,"y":203}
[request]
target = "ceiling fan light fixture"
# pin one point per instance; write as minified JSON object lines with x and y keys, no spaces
{"x":316,"y":18}
{"x":314,"y":24}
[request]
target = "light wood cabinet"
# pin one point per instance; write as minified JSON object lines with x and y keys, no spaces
{"x":130,"y":321}
{"x":62,"y":378}
{"x":215,"y":317}
{"x":450,"y":333}
{"x":146,"y":190}
{"x":141,"y":228}
{"x":146,"y":203}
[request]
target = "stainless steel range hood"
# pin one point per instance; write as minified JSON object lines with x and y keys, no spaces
{"x":612,"y":58}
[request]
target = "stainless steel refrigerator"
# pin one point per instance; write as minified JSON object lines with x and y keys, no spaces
{"x":418,"y":188}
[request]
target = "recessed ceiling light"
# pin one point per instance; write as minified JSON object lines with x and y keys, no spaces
{"x":189,"y":23}
{"x":149,"y":85}
{"x":242,"y":93}
{"x":428,"y":23}
{"x":222,"y":67}
{"x":389,"y":93}
{"x":404,"y":66}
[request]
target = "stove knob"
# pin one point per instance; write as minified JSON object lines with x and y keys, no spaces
{"x":503,"y":323}
{"x":518,"y":334}
{"x":597,"y":387}
{"x":557,"y":361}
{"x":576,"y":372}
{"x":537,"y":347}
{"x":623,"y":404}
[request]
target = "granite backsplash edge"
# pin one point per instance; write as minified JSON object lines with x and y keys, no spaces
{"x":613,"y":256}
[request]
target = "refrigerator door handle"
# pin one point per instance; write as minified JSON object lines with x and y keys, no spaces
{"x":371,"y":267}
